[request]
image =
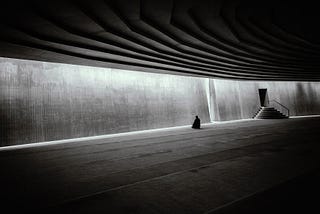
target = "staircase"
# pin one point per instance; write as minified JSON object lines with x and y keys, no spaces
{"x":269,"y":113}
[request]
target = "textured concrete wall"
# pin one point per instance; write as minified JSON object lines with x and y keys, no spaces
{"x":47,"y":101}
{"x":240,"y":99}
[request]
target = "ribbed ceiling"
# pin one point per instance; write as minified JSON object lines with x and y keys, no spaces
{"x":257,"y":40}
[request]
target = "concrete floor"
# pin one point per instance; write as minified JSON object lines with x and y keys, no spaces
{"x":221,"y":168}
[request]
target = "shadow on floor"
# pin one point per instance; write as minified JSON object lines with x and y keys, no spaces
{"x":299,"y":195}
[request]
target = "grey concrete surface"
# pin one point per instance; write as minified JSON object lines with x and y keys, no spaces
{"x":172,"y":171}
{"x":211,"y":38}
{"x":240,"y":99}
{"x":49,"y":101}
{"x":297,"y":195}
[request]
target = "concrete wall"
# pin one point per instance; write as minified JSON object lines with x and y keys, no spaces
{"x":47,"y":101}
{"x":240,"y":99}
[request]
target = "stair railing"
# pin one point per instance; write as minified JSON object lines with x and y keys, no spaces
{"x":283,"y":109}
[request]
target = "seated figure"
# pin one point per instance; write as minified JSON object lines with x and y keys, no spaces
{"x":196,"y":123}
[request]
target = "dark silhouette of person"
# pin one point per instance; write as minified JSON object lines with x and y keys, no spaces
{"x":196,"y":123}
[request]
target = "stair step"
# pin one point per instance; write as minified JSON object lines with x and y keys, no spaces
{"x":269,"y":113}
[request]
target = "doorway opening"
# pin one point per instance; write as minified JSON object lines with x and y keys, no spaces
{"x":263,"y":95}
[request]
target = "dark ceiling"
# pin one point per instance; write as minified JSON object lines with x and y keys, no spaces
{"x":260,"y":40}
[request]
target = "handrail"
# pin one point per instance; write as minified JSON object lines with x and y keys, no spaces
{"x":282,"y":106}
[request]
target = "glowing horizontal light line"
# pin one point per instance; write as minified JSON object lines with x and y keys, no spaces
{"x":108,"y":136}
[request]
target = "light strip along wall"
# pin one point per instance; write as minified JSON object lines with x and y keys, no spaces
{"x":42,"y":101}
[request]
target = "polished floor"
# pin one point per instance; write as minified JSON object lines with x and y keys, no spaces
{"x":221,"y":168}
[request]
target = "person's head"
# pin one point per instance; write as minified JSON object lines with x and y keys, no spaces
{"x":197,"y":116}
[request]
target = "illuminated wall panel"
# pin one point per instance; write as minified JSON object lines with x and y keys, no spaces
{"x":48,"y":101}
{"x":240,"y":99}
